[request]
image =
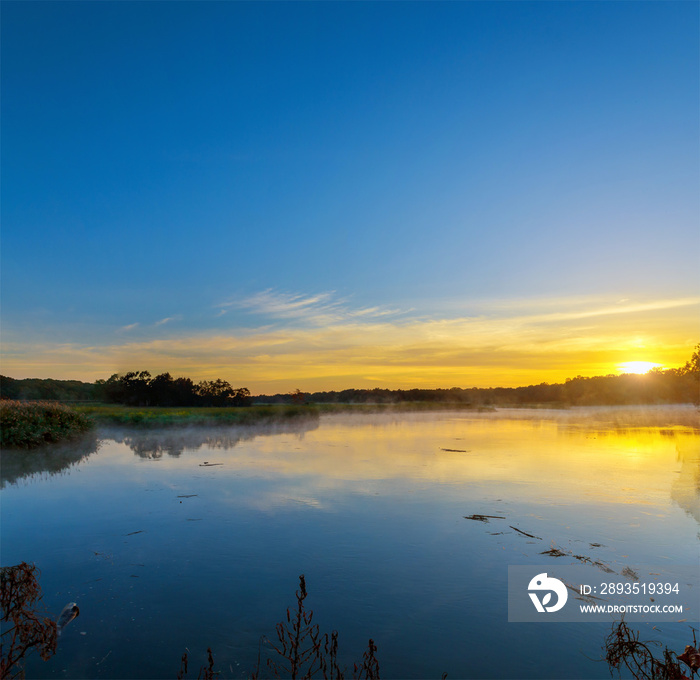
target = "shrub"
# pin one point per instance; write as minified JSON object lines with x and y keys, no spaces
{"x":25,"y":425}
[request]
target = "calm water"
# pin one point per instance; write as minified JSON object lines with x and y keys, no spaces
{"x":371,"y":509}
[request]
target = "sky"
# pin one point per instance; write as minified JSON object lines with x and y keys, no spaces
{"x":331,"y":195}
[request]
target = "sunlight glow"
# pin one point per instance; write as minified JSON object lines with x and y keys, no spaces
{"x":637,"y":366}
{"x":336,"y":347}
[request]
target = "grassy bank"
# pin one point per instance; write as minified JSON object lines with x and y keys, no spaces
{"x":163,"y":416}
{"x":114,"y":414}
{"x":26,"y":425}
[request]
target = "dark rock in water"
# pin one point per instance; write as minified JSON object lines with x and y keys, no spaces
{"x":70,"y":611}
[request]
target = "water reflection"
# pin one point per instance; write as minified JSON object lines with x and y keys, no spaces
{"x":162,"y":552}
{"x":52,"y":459}
{"x":611,"y":418}
{"x":155,"y":443}
{"x":535,"y":458}
{"x":686,"y":488}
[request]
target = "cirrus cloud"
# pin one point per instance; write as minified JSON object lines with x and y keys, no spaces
{"x":320,"y":343}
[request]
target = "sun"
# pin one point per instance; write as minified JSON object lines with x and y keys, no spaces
{"x":637,"y":366}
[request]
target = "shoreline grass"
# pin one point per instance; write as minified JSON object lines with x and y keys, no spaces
{"x":159,"y":416}
{"x":27,"y":425}
{"x":164,"y":416}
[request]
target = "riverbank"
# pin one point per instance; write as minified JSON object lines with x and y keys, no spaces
{"x":163,"y":416}
{"x":27,"y":425}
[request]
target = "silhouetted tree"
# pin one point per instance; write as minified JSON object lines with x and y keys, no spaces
{"x":184,"y":392}
{"x":215,"y":392}
{"x":241,"y":397}
{"x":162,"y":390}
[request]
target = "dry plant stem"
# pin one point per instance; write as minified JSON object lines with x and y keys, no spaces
{"x":304,"y":651}
{"x":183,"y":667}
{"x":624,"y":650}
{"x":20,"y":595}
{"x":332,"y":670}
{"x":205,"y":672}
{"x":369,"y":670}
{"x":308,"y":652}
{"x":299,"y":644}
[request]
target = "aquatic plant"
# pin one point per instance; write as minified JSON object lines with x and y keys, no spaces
{"x":301,"y":651}
{"x":205,"y":672}
{"x":624,"y":650}
{"x":20,"y":595}
{"x":25,"y":425}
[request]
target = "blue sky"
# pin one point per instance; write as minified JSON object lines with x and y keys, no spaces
{"x":328,"y":194}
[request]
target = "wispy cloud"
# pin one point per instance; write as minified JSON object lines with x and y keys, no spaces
{"x":320,"y":342}
{"x":167,"y":319}
{"x":559,"y":308}
{"x":130,"y":327}
{"x":318,"y":309}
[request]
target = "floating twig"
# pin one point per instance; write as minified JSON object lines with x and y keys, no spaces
{"x":604,"y":567}
{"x":630,"y":574}
{"x":140,"y":531}
{"x":483,"y":518}
{"x":104,"y":657}
{"x":554,"y":552}
{"x":524,"y":533}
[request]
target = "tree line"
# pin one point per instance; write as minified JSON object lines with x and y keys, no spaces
{"x":670,"y":386}
{"x":139,"y":388}
{"x":610,"y":390}
{"x":136,"y":388}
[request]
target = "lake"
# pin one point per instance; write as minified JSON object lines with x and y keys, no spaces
{"x":173,"y":540}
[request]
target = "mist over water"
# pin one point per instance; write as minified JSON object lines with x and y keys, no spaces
{"x":188,"y":539}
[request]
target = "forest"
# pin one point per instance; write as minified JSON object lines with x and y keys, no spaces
{"x":135,"y":388}
{"x":139,"y":388}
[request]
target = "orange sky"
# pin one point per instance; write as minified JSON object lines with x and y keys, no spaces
{"x":508,"y":343}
